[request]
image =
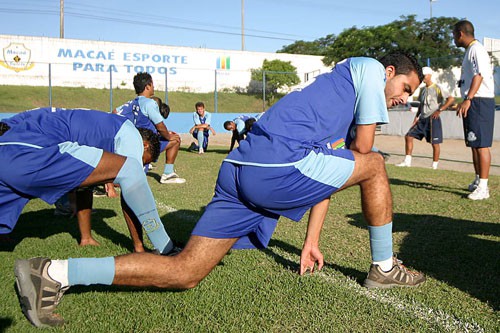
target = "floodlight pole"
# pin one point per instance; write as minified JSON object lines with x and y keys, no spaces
{"x":430,"y":6}
{"x":61,"y":20}
{"x":243,"y":25}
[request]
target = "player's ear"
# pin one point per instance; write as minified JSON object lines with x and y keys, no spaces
{"x":390,"y":71}
{"x":146,"y":145}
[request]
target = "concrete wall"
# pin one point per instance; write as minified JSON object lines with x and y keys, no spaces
{"x":25,"y":61}
{"x":400,"y":122}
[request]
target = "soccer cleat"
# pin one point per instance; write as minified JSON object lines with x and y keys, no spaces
{"x":479,"y":193}
{"x":171,"y":178}
{"x":99,"y":192}
{"x":39,"y":294}
{"x":398,"y":276}
{"x":472,"y":186}
{"x":404,"y":164}
{"x":200,"y":151}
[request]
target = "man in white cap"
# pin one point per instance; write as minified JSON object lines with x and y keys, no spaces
{"x":427,"y":123}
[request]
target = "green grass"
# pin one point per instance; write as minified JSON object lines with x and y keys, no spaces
{"x":454,"y":241}
{"x":20,"y":98}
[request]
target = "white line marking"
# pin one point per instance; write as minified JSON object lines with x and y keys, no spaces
{"x":446,"y":321}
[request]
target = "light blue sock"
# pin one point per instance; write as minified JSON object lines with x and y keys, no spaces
{"x":138,"y":196}
{"x":201,"y":138}
{"x":169,"y":168}
{"x":87,"y":271}
{"x":381,"y":242}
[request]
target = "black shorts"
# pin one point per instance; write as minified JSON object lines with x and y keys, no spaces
{"x":428,"y":128}
{"x":478,"y":125}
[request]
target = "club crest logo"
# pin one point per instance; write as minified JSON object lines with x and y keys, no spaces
{"x":150,"y":225}
{"x":471,"y":136}
{"x":17,"y":57}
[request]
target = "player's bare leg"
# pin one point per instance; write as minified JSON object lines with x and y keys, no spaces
{"x":182,"y":271}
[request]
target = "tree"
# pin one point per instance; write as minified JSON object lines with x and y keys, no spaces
{"x":317,"y":47}
{"x":277,"y":75}
{"x":430,"y":39}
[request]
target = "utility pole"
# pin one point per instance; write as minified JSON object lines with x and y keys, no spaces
{"x":243,"y":25}
{"x":61,"y":20}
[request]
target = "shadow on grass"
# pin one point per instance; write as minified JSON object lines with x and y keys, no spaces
{"x":43,"y":224}
{"x":5,"y":323}
{"x":427,"y":186}
{"x":461,"y":253}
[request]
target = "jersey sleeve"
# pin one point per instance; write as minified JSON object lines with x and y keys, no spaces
{"x":150,"y":109}
{"x":369,"y":80}
{"x":240,"y":125}
{"x":208,"y":118}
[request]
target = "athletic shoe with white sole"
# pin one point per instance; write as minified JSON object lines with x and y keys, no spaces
{"x":404,"y":164}
{"x":171,"y":178}
{"x":398,"y":276}
{"x":39,"y":294}
{"x":479,"y":194}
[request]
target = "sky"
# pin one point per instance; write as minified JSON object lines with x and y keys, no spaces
{"x":217,"y":24}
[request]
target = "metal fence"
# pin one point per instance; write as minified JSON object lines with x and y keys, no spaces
{"x":114,"y":80}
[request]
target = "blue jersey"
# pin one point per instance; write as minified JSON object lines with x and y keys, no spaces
{"x":46,"y":127}
{"x":240,"y":123}
{"x":132,"y":111}
{"x":318,"y":117}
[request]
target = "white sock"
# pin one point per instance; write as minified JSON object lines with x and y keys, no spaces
{"x":483,"y":183}
{"x":385,"y":265}
{"x":58,"y":270}
{"x":408,"y":159}
{"x":435,"y":165}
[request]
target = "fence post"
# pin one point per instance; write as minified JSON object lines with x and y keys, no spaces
{"x":263,"y":91}
{"x":50,"y":85}
{"x":110,"y":91}
{"x":215,"y":94}
{"x":166,"y":87}
{"x":428,"y":62}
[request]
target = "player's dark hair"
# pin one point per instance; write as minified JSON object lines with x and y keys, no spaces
{"x":154,"y":142}
{"x":403,"y":63}
{"x":3,"y":128}
{"x":199,"y":104}
{"x":141,"y":80}
{"x":464,"y":26}
{"x":226,"y":124}
{"x":249,"y":123}
{"x":164,"y":110}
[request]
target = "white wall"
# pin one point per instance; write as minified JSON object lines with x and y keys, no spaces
{"x":24,"y":61}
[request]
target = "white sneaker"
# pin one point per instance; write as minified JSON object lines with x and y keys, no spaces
{"x":434,"y":166}
{"x":171,"y":178}
{"x":200,"y":151}
{"x":479,"y":194}
{"x":404,"y":164}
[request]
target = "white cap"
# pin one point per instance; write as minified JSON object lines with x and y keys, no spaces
{"x":426,"y":70}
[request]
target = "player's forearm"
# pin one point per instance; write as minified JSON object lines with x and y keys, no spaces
{"x":316,"y":220}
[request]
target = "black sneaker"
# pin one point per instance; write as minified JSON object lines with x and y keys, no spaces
{"x":398,"y":276}
{"x":39,"y":294}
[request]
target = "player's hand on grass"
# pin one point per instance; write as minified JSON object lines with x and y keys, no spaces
{"x":310,"y":256}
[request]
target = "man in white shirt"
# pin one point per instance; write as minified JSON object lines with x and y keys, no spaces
{"x":478,"y":107}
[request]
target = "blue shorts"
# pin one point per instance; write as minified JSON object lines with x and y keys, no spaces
{"x":478,"y":125}
{"x":35,"y":172}
{"x":28,"y":171}
{"x":249,"y":199}
{"x":428,"y":128}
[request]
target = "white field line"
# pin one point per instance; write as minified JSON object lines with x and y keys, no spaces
{"x":447,"y":322}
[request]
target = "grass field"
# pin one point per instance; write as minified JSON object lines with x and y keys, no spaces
{"x":454,"y":241}
{"x":20,"y":98}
